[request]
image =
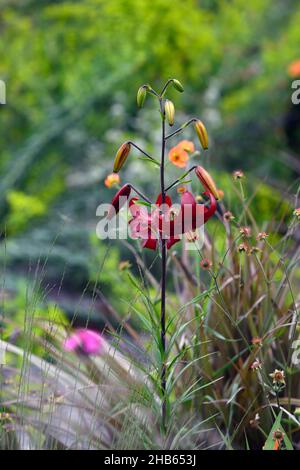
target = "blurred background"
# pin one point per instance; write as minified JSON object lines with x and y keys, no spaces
{"x":72,"y":69}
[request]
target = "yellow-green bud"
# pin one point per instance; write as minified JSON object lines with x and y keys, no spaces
{"x":170,"y":112}
{"x":141,"y":96}
{"x":177,"y":85}
{"x":121,"y":156}
{"x":202,"y":133}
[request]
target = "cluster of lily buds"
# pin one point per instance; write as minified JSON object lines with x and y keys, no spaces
{"x":189,"y":209}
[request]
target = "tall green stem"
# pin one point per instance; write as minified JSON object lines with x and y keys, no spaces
{"x":163,"y":274}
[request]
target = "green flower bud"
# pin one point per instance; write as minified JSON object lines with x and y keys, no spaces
{"x":170,"y":112}
{"x":177,"y":85}
{"x":141,"y":95}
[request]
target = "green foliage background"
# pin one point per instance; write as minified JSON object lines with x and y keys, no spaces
{"x":72,"y":69}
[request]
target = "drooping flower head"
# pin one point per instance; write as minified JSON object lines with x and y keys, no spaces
{"x":84,"y":341}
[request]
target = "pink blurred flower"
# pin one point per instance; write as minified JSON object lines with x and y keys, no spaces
{"x":84,"y":341}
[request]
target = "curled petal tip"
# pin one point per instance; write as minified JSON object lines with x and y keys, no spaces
{"x":119,"y":200}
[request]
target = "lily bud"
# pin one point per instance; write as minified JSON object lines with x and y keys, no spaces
{"x":119,"y":200}
{"x":207,"y":181}
{"x":121,"y":156}
{"x":141,"y":96}
{"x":177,"y":85}
{"x":202,"y":134}
{"x":170,"y":112}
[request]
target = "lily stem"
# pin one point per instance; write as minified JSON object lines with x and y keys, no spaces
{"x":141,"y":150}
{"x":163,"y":275}
{"x":139,"y":193}
{"x":181,"y":178}
{"x":181,"y":128}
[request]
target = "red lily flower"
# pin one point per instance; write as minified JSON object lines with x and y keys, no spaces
{"x":167,"y":224}
{"x":119,"y":200}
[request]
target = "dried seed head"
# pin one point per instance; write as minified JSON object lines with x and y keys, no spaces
{"x":261,"y":236}
{"x":297,"y":213}
{"x":205,"y":264}
{"x":243,"y":248}
{"x":278,"y":434}
{"x":201,"y":133}
{"x":245,"y":232}
{"x":238,"y":175}
{"x":256,"y":365}
{"x":228,"y":216}
{"x":278,"y":377}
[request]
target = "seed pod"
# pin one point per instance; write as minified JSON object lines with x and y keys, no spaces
{"x":141,"y":96}
{"x":207,"y":181}
{"x":121,"y":156}
{"x":202,"y":134}
{"x":170,"y":112}
{"x":177,"y":85}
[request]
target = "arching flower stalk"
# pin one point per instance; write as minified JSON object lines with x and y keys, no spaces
{"x":164,"y":226}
